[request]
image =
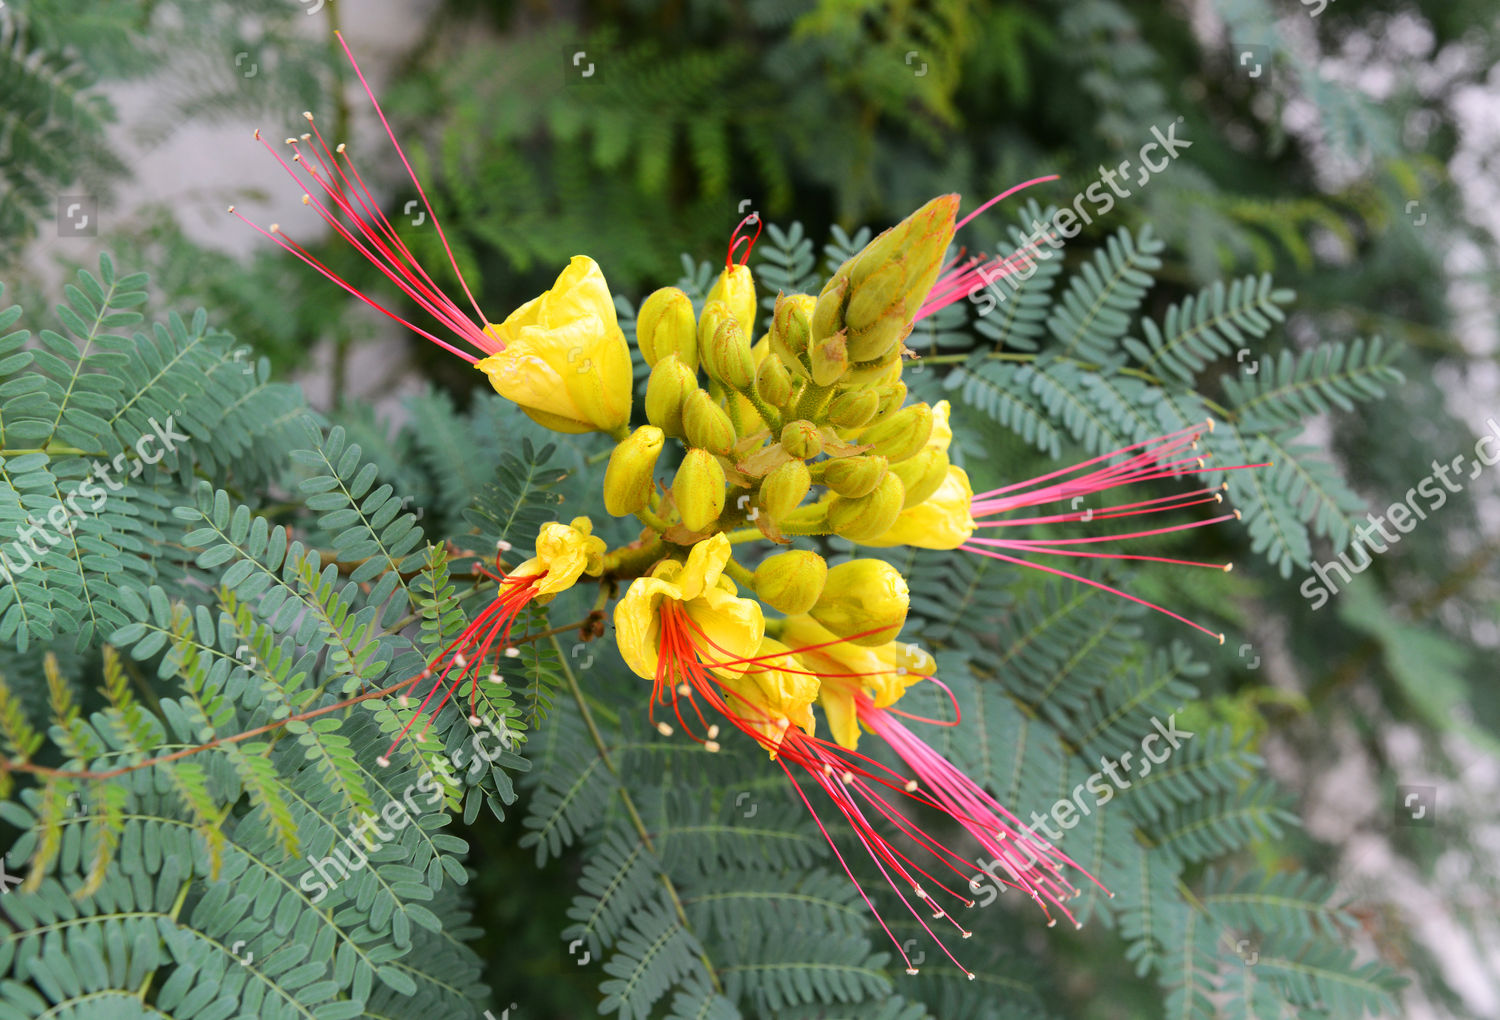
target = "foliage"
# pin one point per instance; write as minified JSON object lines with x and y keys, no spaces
{"x":233,"y":586}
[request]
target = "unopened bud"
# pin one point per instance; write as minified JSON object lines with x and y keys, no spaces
{"x":864,"y":597}
{"x":728,"y":357}
{"x":892,"y":396}
{"x":922,"y":474}
{"x":699,"y":490}
{"x":790,"y":333}
{"x":828,"y":312}
{"x":665,"y":326}
{"x":735,"y":289}
{"x":801,"y":439}
{"x":628,"y":479}
{"x":875,"y":373}
{"x":791,"y":582}
{"x":773,"y":383}
{"x":671,"y":383}
{"x":901,"y":435}
{"x":869,"y":516}
{"x":706,"y":424}
{"x":892,"y":276}
{"x":784,"y":488}
{"x":827,"y":360}
{"x":855,"y":476}
{"x":852,"y":408}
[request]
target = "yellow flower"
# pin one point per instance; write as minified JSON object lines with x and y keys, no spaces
{"x":773,"y":696}
{"x":843,"y":669}
{"x":943,"y":521}
{"x":563,"y":553}
{"x":565,"y":362}
{"x":719,"y":625}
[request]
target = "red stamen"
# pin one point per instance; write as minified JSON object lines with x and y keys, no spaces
{"x":735,"y":240}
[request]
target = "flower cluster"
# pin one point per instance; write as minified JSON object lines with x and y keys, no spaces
{"x":791,"y":429}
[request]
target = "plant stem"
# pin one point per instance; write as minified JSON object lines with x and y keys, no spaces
{"x":630,"y":808}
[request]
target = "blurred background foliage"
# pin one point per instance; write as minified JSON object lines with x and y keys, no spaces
{"x":1333,"y":169}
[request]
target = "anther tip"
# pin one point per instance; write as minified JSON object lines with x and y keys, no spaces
{"x":474,"y":720}
{"x":664,"y":729}
{"x":513,"y":653}
{"x":257,"y":134}
{"x":1221,"y":639}
{"x":231,"y":209}
{"x":1078,"y":925}
{"x":503,"y":545}
{"x":307,"y":114}
{"x":911,"y":786}
{"x":275,"y":228}
{"x":1052,"y":922}
{"x":340,"y":149}
{"x":383,"y":761}
{"x":711,"y":746}
{"x":970,"y":975}
{"x":1238,"y":515}
{"x":713,"y":731}
{"x":1228,"y":567}
{"x":911,"y":970}
{"x":1210,"y":423}
{"x":307,"y":200}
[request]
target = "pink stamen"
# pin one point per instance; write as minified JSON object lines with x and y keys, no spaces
{"x":338,"y":193}
{"x":1147,"y":460}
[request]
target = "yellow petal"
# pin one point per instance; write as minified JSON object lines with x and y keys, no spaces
{"x":731,"y":630}
{"x":565,"y":362}
{"x":638,"y":623}
{"x":943,"y":521}
{"x":563,"y":553}
{"x":705,"y":563}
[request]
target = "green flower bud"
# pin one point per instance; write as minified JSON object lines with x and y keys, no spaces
{"x":735,"y":289}
{"x":869,"y":516}
{"x":784,"y":488}
{"x":665,"y":326}
{"x":706,"y":425}
{"x":827,"y":360}
{"x":872,"y":373}
{"x":628,"y":479}
{"x":791,"y":582}
{"x":728,"y":357}
{"x":773,"y":383}
{"x":801,"y":439}
{"x":828,"y":312}
{"x":854,"y":476}
{"x":668,"y":388}
{"x":922,"y":474}
{"x":699,"y":490}
{"x":868,"y":598}
{"x":892,"y":276}
{"x":790,"y":332}
{"x":892,"y":396}
{"x":901,"y":435}
{"x":852,"y":408}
